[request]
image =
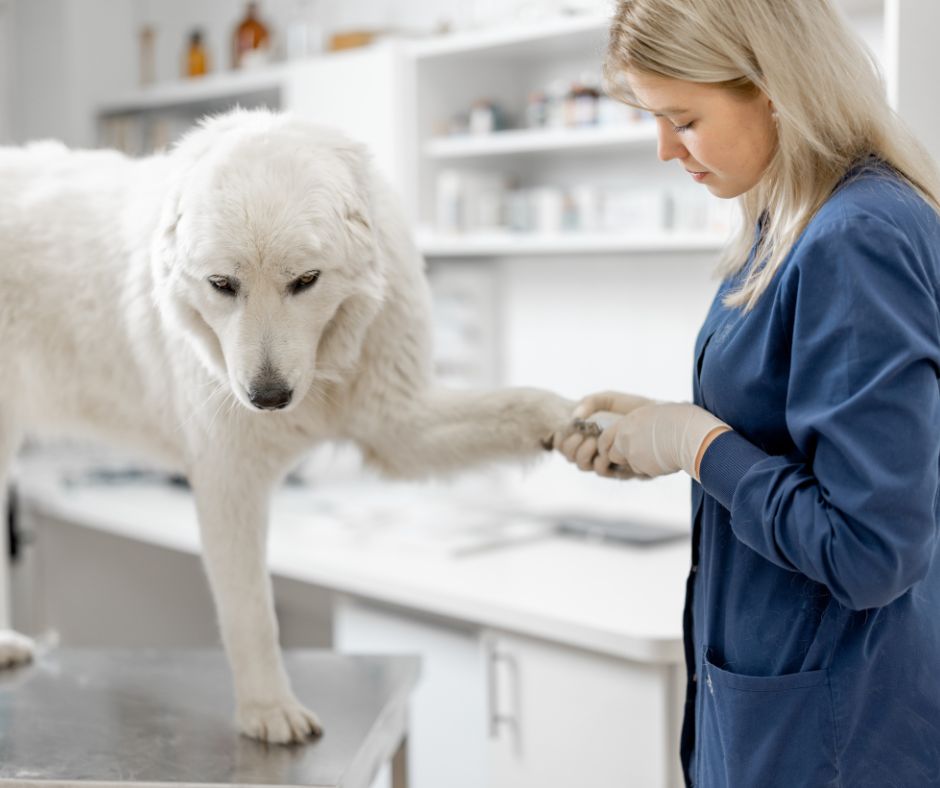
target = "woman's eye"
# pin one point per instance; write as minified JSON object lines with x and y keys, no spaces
{"x":680,"y":129}
{"x":224,"y":284}
{"x":304,"y":281}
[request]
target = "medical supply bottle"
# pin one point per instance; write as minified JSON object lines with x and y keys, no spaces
{"x":250,"y":46}
{"x":197,"y":58}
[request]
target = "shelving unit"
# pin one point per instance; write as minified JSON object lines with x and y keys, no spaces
{"x":504,"y":65}
{"x":202,"y":91}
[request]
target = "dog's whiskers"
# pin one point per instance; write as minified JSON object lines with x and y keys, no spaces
{"x":218,"y":410}
{"x":198,"y":409}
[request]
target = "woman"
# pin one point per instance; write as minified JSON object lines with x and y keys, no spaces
{"x":812,"y":622}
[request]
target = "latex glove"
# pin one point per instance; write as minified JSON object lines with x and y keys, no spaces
{"x":659,"y":438}
{"x":580,"y":447}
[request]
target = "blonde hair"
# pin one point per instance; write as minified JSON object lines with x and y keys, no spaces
{"x":828,"y":94}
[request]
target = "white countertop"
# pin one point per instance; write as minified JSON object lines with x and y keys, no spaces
{"x":406,"y":546}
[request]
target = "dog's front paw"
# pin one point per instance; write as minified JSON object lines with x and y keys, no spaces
{"x":15,"y":649}
{"x":278,"y":722}
{"x":551,"y":417}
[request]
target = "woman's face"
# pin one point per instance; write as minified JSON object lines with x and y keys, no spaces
{"x":724,"y":140}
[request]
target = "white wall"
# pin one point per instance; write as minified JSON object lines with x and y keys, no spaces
{"x":7,"y":76}
{"x":580,"y":325}
{"x":912,"y":79}
{"x":68,"y":56}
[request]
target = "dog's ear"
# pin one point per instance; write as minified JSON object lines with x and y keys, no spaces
{"x":342,"y":339}
{"x":185,"y":154}
{"x":164,"y":242}
{"x":359,"y":224}
{"x":358,"y":209}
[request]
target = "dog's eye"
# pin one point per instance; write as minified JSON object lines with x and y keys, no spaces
{"x":304,"y":281}
{"x":224,"y":284}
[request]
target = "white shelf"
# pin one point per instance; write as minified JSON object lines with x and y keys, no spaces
{"x":540,"y":140}
{"x":558,"y":35}
{"x":503,"y":244}
{"x":198,"y":90}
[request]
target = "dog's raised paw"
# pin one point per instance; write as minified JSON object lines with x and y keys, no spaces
{"x":283,"y":722}
{"x":15,"y":649}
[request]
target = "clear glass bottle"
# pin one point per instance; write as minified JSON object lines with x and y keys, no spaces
{"x":304,"y":36}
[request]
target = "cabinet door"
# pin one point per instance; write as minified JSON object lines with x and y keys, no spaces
{"x":446,"y":732}
{"x":559,"y":717}
{"x":364,"y":93}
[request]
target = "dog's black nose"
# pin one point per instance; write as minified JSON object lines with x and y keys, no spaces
{"x":270,"y":397}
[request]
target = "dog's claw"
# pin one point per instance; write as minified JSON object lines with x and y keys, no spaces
{"x":285,"y":723}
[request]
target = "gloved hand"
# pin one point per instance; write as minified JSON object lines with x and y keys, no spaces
{"x":659,"y":438}
{"x":581,"y":448}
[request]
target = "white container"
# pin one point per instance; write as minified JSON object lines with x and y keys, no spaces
{"x":490,"y":207}
{"x":690,"y":210}
{"x":548,"y":206}
{"x":611,"y":112}
{"x":482,"y":201}
{"x":587,"y":202}
{"x":449,"y":207}
{"x":635,"y":210}
{"x":519,"y":211}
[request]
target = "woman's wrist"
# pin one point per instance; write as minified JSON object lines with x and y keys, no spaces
{"x":706,"y":442}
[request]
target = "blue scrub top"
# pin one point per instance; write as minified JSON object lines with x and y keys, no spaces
{"x":812,"y":622}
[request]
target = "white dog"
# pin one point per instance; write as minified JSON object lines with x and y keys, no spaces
{"x":223,"y":308}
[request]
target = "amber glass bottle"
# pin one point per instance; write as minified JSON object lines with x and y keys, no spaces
{"x":197,"y":59}
{"x":251,"y":41}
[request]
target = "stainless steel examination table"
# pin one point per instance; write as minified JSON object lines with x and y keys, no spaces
{"x":86,"y":718}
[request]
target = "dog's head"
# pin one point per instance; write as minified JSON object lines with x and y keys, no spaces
{"x":265,"y":254}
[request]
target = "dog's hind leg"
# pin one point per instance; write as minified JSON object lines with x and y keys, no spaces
{"x":233,"y":515}
{"x":14,"y":647}
{"x":444,"y":430}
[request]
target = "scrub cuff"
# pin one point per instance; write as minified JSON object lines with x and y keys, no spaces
{"x":724,"y":464}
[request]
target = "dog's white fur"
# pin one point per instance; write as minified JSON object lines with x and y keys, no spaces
{"x":109,"y":327}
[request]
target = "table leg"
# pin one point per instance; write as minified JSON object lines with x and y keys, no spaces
{"x":400,"y":765}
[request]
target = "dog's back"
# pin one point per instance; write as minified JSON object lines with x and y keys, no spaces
{"x":72,"y":280}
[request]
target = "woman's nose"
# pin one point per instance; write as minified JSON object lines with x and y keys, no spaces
{"x":668,"y":144}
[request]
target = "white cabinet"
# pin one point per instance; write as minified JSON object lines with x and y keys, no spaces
{"x":498,"y":710}
{"x":447,"y":743}
{"x":562,"y":717}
